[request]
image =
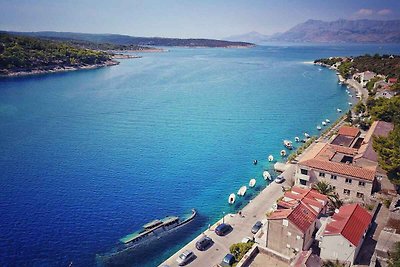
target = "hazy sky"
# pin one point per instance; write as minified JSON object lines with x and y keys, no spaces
{"x":179,"y":18}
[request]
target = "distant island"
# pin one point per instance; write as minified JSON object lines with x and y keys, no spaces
{"x":126,"y":40}
{"x":339,"y":31}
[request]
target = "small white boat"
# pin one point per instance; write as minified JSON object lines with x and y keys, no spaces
{"x":297,"y":139}
{"x":338,"y":110}
{"x":306,"y":135}
{"x":267,"y":175}
{"x":350,"y":104}
{"x":255,"y":162}
{"x":350,"y":95}
{"x":319,"y":128}
{"x":270,"y":158}
{"x":242,"y":191}
{"x":283,"y":153}
{"x":252,"y":182}
{"x":323,"y":123}
{"x":328,"y":121}
{"x":232,"y":198}
{"x":288,"y":144}
{"x":347,"y":91}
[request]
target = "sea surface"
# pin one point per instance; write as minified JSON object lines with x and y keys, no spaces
{"x":87,"y":157}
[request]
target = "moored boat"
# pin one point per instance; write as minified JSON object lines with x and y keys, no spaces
{"x":270,"y":158}
{"x":306,"y":135}
{"x":232,"y":198}
{"x":255,"y":162}
{"x":327,"y":120}
{"x":297,"y":139}
{"x":319,"y":128}
{"x":252,"y":182}
{"x":288,"y":144}
{"x":339,"y":110}
{"x":266,"y":175}
{"x":323,"y":123}
{"x":283,"y":153}
{"x":242,"y":191}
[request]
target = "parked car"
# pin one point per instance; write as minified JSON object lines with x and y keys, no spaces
{"x":223,"y":229}
{"x":185,"y":257}
{"x":279,"y":179}
{"x":203,"y":243}
{"x":228,"y":260}
{"x":256,"y":227}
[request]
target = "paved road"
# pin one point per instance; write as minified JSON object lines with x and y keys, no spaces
{"x":359,"y":88}
{"x":254,"y":211}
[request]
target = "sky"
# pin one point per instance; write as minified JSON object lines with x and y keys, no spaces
{"x":183,"y":19}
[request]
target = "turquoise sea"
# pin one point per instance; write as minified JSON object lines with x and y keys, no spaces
{"x":87,"y":157}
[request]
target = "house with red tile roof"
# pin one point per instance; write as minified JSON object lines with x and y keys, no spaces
{"x":289,"y":231}
{"x":307,"y":196}
{"x":346,"y":136}
{"x":341,"y":238}
{"x":392,"y":81}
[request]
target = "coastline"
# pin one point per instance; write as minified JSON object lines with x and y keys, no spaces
{"x":57,"y":69}
{"x":260,"y":203}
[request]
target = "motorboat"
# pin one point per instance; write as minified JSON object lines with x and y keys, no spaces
{"x":339,"y":110}
{"x":283,"y":152}
{"x":288,"y":144}
{"x":266,"y":175}
{"x":270,"y":158}
{"x":242,"y":191}
{"x":319,"y":128}
{"x":232,"y":198}
{"x":252,"y":182}
{"x":350,"y":104}
{"x":323,"y":123}
{"x":327,"y":120}
{"x":306,"y":135}
{"x":255,"y":162}
{"x":297,"y":139}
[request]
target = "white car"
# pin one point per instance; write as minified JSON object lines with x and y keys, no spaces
{"x":185,"y":257}
{"x":279,"y":179}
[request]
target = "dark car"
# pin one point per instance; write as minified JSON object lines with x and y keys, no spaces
{"x":256,"y":227}
{"x":223,"y":229}
{"x":203,"y":243}
{"x":228,"y":260}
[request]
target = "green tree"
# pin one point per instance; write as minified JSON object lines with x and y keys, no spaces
{"x":395,"y":256}
{"x":240,"y":249}
{"x":327,"y":189}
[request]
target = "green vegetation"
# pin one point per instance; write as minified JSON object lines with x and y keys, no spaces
{"x":240,"y":249}
{"x":327,"y":189}
{"x":346,"y":69}
{"x":332,"y":264}
{"x":19,"y":53}
{"x":395,"y":256}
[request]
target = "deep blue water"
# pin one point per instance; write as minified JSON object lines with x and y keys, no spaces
{"x":87,"y":157}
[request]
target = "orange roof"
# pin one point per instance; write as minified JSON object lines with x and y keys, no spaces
{"x":341,"y":168}
{"x":352,"y":221}
{"x":349,"y":131}
{"x":330,"y":150}
{"x":302,"y":216}
{"x":308,"y":196}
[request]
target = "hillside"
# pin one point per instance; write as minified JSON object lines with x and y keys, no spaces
{"x":19,"y":54}
{"x":343,"y":31}
{"x":119,"y":39}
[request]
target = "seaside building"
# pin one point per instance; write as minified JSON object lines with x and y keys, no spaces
{"x":289,"y":231}
{"x":307,"y":196}
{"x":306,"y":259}
{"x":364,"y":77}
{"x":349,"y":163}
{"x":342,"y":236}
{"x":386,"y":243}
{"x":385,"y":94}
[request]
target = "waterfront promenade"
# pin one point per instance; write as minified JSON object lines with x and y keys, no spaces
{"x":255,"y":211}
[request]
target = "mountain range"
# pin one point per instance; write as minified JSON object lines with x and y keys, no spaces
{"x":339,"y":31}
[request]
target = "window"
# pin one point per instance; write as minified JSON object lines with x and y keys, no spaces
{"x":348,"y":181}
{"x":361,"y":183}
{"x":303,"y":182}
{"x":346,"y":192}
{"x":360,"y":195}
{"x":333,"y":177}
{"x":321,"y":174}
{"x":303,"y":171}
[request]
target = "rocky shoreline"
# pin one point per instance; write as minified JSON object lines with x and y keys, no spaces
{"x":55,"y":69}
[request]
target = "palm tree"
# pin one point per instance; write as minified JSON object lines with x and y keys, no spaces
{"x":328,"y":190}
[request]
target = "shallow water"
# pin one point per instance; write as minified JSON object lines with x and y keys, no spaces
{"x":88,"y":157}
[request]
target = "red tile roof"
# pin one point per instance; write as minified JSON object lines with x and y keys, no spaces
{"x":302,"y":216}
{"x":340,"y":168}
{"x":308,"y":196}
{"x":352,"y":221}
{"x":348,"y":131}
{"x":392,"y":80}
